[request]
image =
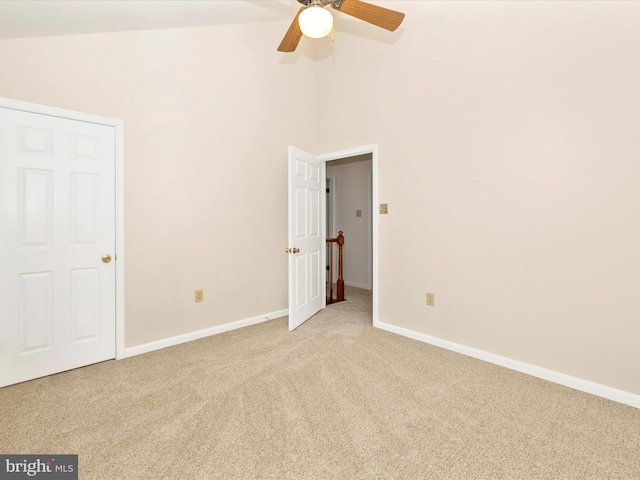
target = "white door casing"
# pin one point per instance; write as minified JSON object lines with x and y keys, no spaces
{"x":306,"y":236}
{"x":58,"y":217}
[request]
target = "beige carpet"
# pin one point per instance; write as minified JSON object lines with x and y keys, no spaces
{"x":336,"y":399}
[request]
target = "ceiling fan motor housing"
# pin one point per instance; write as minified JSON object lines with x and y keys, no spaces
{"x":323,"y":3}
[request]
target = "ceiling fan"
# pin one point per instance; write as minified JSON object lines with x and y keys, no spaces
{"x":314,"y":21}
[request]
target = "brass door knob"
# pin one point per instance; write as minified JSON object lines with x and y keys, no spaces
{"x":287,"y":250}
{"x":296,"y":250}
{"x":106,"y":258}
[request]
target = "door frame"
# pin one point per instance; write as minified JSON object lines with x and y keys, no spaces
{"x":332,"y":195}
{"x":352,"y":152}
{"x":330,"y":182}
{"x":118,"y":126}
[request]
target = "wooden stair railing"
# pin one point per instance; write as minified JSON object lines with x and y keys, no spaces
{"x":339,"y":240}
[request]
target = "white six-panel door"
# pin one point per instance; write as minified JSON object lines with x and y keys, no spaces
{"x":306,"y":274}
{"x":57,"y":221}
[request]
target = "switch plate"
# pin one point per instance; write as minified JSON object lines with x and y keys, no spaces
{"x":431,"y":299}
{"x":199,"y":295}
{"x":358,"y":213}
{"x":384,"y":209}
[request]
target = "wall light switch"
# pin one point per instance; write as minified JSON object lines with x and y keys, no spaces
{"x":199,"y":295}
{"x":384,"y":209}
{"x":358,"y":213}
{"x":431,"y":299}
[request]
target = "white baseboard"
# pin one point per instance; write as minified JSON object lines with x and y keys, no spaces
{"x":188,"y":337}
{"x":597,"y":389}
{"x":357,"y":285}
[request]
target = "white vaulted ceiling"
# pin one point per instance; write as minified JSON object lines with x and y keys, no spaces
{"x":35,"y":18}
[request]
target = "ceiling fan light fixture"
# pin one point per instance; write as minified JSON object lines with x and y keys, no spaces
{"x":315,"y":21}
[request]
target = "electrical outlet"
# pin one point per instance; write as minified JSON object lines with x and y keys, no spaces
{"x":431,"y":299}
{"x":384,"y":208}
{"x":199,"y":295}
{"x":358,"y":213}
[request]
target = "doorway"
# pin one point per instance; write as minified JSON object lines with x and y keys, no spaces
{"x":352,"y":156}
{"x":349,"y":209}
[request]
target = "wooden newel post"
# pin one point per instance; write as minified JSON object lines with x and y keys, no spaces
{"x":340,"y":284}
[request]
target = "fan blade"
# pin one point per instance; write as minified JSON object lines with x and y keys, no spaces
{"x":293,"y":35}
{"x":379,"y":16}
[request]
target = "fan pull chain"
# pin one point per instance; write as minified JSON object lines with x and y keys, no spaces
{"x":333,"y":33}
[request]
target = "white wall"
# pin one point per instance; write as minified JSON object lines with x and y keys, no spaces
{"x":352,"y":185}
{"x":208,"y":115}
{"x":508,"y":155}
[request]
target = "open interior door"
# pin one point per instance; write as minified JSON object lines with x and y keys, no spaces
{"x":306,"y":242}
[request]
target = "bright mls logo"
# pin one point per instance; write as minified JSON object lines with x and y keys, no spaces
{"x":50,"y":467}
